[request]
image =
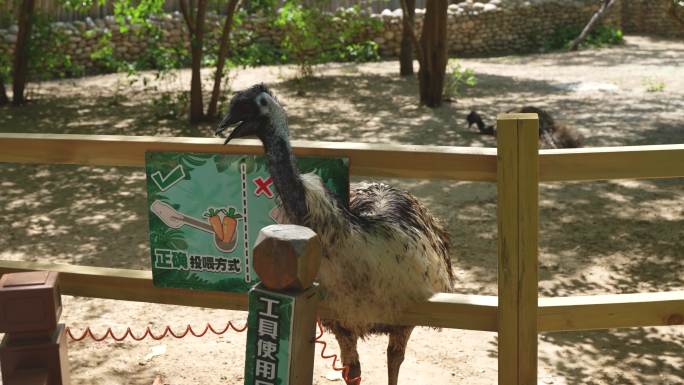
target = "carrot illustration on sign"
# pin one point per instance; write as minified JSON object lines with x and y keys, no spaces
{"x":223,"y":222}
{"x":230,"y":224}
{"x":212,"y":215}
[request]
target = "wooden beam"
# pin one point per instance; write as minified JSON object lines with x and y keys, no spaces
{"x":126,"y":285}
{"x":471,"y":312}
{"x":611,"y":311}
{"x":635,"y":162}
{"x":405,"y":161}
{"x":517,"y":218}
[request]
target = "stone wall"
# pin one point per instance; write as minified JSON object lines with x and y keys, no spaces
{"x":476,"y":28}
{"x":499,"y":26}
{"x":650,"y":17}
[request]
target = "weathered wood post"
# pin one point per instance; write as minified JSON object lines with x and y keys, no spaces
{"x":518,"y":226}
{"x":282,"y":308}
{"x":34,"y":349}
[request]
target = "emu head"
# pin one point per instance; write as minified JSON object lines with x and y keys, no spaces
{"x":473,"y":118}
{"x":256,"y":113}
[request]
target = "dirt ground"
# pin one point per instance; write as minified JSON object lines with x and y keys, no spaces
{"x":601,"y":237}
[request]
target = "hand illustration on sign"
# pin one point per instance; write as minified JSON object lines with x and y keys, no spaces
{"x":174,"y":219}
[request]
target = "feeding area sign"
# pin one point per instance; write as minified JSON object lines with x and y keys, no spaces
{"x":205,"y":211}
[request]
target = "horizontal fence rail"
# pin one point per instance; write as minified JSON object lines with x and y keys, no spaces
{"x":611,"y":311}
{"x":459,"y":163}
{"x":470,"y":312}
{"x":596,"y":163}
{"x":379,"y":160}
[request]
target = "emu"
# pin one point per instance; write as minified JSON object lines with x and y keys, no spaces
{"x":381,"y":254}
{"x":551,"y":134}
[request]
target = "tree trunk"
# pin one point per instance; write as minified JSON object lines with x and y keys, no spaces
{"x":592,"y":23}
{"x":20,"y":70}
{"x":221,"y":60}
{"x":434,"y":51}
{"x":407,"y":35}
{"x":196,"y":33}
{"x":3,"y":93}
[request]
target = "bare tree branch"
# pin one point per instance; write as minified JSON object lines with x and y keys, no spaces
{"x":222,"y":54}
{"x":592,"y":23}
{"x":186,"y":16}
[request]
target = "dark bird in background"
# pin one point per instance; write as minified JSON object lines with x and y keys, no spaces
{"x":475,"y":118}
{"x":551,"y":134}
{"x":381,"y":254}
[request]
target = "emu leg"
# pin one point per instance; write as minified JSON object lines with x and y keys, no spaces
{"x":350,"y":356}
{"x":396,"y":348}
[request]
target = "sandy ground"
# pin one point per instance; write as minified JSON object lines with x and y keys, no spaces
{"x":599,"y":237}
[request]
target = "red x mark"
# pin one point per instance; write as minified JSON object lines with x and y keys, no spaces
{"x":263,"y":186}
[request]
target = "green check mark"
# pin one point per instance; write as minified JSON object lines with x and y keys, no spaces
{"x":165,"y":182}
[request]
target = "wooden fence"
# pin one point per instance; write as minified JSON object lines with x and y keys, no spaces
{"x":517,"y":167}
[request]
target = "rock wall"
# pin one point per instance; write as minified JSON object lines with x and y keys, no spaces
{"x":476,"y":28}
{"x":650,"y":17}
{"x":499,"y":26}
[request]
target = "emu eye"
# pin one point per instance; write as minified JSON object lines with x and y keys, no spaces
{"x":262,"y":102}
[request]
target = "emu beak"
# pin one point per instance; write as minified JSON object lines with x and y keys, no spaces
{"x":228,"y":121}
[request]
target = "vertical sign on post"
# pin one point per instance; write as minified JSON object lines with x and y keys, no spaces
{"x":269,"y":343}
{"x":282,"y":308}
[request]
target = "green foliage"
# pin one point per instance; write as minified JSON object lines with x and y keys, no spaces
{"x":160,"y":57}
{"x":129,"y":13}
{"x":360,"y":52}
{"x":258,"y":53}
{"x":456,"y":78}
{"x":311,"y":37}
{"x":46,"y":59}
{"x":7,"y":17}
{"x":599,"y":37}
{"x":103,"y":56}
{"x":653,"y":85}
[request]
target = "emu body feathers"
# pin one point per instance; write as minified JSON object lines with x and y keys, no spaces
{"x":380,"y":255}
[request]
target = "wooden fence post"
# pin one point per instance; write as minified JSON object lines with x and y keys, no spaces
{"x":282,"y":308}
{"x":34,"y":349}
{"x":518,"y":219}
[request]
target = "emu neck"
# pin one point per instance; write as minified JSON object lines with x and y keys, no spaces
{"x":286,"y":178}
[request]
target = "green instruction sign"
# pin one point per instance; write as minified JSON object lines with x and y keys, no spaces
{"x":267,"y":358}
{"x":207,"y":209}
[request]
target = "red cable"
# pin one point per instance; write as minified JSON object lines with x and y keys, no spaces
{"x":344,"y":369}
{"x":167,"y":330}
{"x":148,"y":333}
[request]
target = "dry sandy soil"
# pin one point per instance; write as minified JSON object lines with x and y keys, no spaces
{"x":600,"y":237}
